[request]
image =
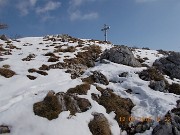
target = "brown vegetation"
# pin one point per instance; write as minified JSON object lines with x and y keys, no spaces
{"x":151,"y":74}
{"x":80,"y":89}
{"x":6,"y":66}
{"x":6,"y":72}
{"x":44,"y":67}
{"x":48,"y":108}
{"x":174,"y":88}
{"x":112,"y":102}
{"x":53,"y":59}
{"x":32,"y":70}
{"x":99,"y":125}
{"x":31,"y":77}
{"x":68,"y":49}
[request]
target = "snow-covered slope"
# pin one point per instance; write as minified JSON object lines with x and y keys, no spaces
{"x":18,"y":93}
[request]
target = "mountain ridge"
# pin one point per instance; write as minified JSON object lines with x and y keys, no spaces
{"x":62,"y":63}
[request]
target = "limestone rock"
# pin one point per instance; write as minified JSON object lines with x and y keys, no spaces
{"x":120,"y":55}
{"x":170,"y":65}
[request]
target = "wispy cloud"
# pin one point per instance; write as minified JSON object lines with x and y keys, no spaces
{"x":76,"y":3}
{"x":79,"y":16}
{"x":25,"y":6}
{"x":75,"y":12}
{"x":3,"y":2}
{"x":50,"y":6}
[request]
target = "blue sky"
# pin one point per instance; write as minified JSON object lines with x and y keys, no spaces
{"x":142,"y":23}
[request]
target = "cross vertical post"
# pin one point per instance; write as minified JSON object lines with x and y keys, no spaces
{"x":106,"y":27}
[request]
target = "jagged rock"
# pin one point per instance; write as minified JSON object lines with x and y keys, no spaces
{"x":96,"y":77}
{"x":120,"y":55}
{"x":139,"y":127}
{"x":73,"y":103}
{"x":158,"y":85}
{"x":174,"y":88}
{"x":4,"y":37}
{"x":4,"y":129}
{"x":79,"y":89}
{"x":53,"y":104}
{"x":99,"y":125}
{"x":170,"y":125}
{"x":169,"y":65}
{"x":151,"y":74}
{"x":124,"y":74}
{"x":100,"y":78}
{"x":29,"y":57}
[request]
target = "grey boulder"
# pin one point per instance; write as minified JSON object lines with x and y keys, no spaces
{"x":120,"y":55}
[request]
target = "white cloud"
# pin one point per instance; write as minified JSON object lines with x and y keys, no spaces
{"x":3,"y":2}
{"x":76,"y":13}
{"x":75,"y":3}
{"x":33,"y":2}
{"x":25,"y":6}
{"x":79,"y":16}
{"x":46,"y":18}
{"x":48,"y":7}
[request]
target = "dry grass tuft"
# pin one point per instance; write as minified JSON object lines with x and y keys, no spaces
{"x":44,"y":67}
{"x":6,"y":66}
{"x":48,"y":108}
{"x":68,"y":49}
{"x":112,"y":102}
{"x":151,"y":74}
{"x":31,"y":77}
{"x":6,"y":72}
{"x":80,"y":89}
{"x":99,"y":125}
{"x":174,"y":88}
{"x":53,"y":59}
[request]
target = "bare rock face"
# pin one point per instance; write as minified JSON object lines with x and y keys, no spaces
{"x":170,"y":125}
{"x":120,"y":55}
{"x":170,"y":65}
{"x":158,"y":85}
{"x":99,"y":125}
{"x":96,"y":77}
{"x":53,"y":104}
{"x":4,"y":37}
{"x":4,"y":129}
{"x":100,"y":78}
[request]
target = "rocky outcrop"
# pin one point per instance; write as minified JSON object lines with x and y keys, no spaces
{"x":120,"y":55}
{"x":99,"y":125}
{"x":139,"y":127}
{"x":158,"y":85}
{"x":156,"y":78}
{"x":4,"y":37}
{"x":83,"y":60}
{"x":96,"y":77}
{"x":170,"y":125}
{"x":169,"y":65}
{"x":4,"y":129}
{"x":53,"y":104}
{"x":100,"y":78}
